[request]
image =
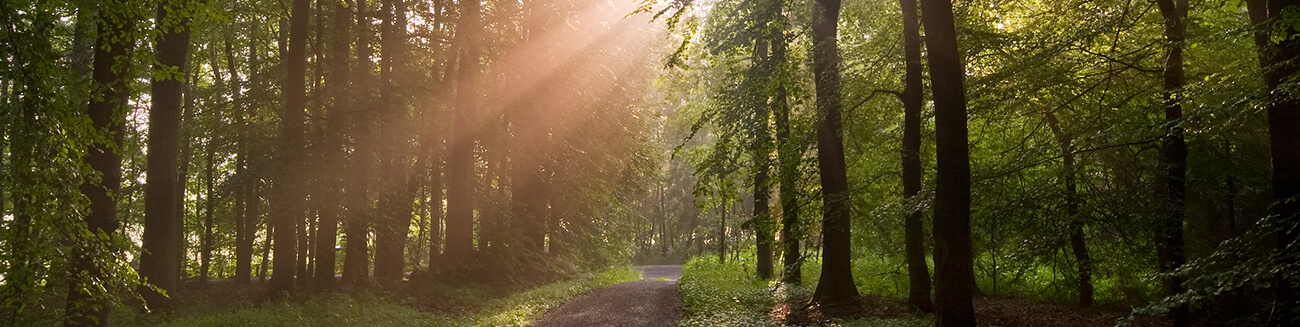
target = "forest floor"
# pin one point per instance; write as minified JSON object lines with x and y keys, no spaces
{"x":651,"y":301}
{"x":414,"y":304}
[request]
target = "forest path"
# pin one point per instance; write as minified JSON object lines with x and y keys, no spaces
{"x":651,"y":301}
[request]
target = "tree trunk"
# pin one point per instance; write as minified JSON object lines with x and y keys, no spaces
{"x":266,"y":250}
{"x":1072,"y":205}
{"x":762,"y":166}
{"x":460,"y":164}
{"x":356,"y":264}
{"x":788,"y":156}
{"x":111,"y":64}
{"x":306,"y":232}
{"x":722,"y":234}
{"x":395,"y":202}
{"x":210,"y":191}
{"x":835,"y":287}
{"x":244,"y":224}
{"x":918,"y":272}
{"x":209,"y":206}
{"x":180,"y":242}
{"x":1284,"y":138}
{"x":289,"y":191}
{"x":954,"y":273}
{"x":386,"y":250}
{"x":158,"y":262}
{"x":528,"y":142}
{"x":1173,"y":158}
{"x":338,"y":84}
{"x":435,"y":212}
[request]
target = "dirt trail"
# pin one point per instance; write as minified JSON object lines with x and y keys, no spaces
{"x":652,"y":301}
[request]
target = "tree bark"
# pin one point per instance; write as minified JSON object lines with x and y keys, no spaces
{"x":356,"y":264}
{"x":395,"y":202}
{"x":953,"y":262}
{"x":209,"y":171}
{"x":180,"y":242}
{"x":337,"y":82}
{"x":1072,"y":207}
{"x":209,"y":207}
{"x":289,"y":192}
{"x":918,"y":272}
{"x":266,"y":250}
{"x":244,"y":224}
{"x":1173,"y":158}
{"x":1279,"y":61}
{"x":111,"y":64}
{"x":528,"y":142}
{"x":762,"y":141}
{"x":460,"y":164}
{"x":159,"y":263}
{"x":835,"y":286}
{"x":435,"y":213}
{"x":722,"y":233}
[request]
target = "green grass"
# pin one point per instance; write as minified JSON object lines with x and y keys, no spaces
{"x":716,"y":294}
{"x":338,"y":309}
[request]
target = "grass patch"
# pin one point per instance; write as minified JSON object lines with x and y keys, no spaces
{"x":717,"y":294}
{"x":367,"y":309}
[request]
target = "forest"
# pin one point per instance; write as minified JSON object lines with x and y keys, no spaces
{"x":807,"y":162}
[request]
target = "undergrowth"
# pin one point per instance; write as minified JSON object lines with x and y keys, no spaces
{"x":718,"y":294}
{"x":368,"y":309}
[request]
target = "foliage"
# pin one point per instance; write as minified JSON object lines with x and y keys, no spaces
{"x":1095,"y":67}
{"x":717,"y":294}
{"x":1238,"y":267}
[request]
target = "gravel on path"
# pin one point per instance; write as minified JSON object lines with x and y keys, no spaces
{"x":648,"y":302}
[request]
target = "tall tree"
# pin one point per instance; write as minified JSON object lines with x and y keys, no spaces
{"x":528,"y":141}
{"x":338,"y":89}
{"x":87,"y":305}
{"x":436,"y":213}
{"x":954,"y":273}
{"x":395,"y":202}
{"x":918,"y":273}
{"x":460,"y":164}
{"x":245,"y":223}
{"x":1173,"y":157}
{"x":356,"y":262}
{"x":209,"y":178}
{"x":761,"y":148}
{"x":722,"y":230}
{"x":1072,"y":208}
{"x":209,"y":208}
{"x":788,"y":156}
{"x":835,"y":286}
{"x":159,"y":264}
{"x":289,"y":192}
{"x":1279,"y":60}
